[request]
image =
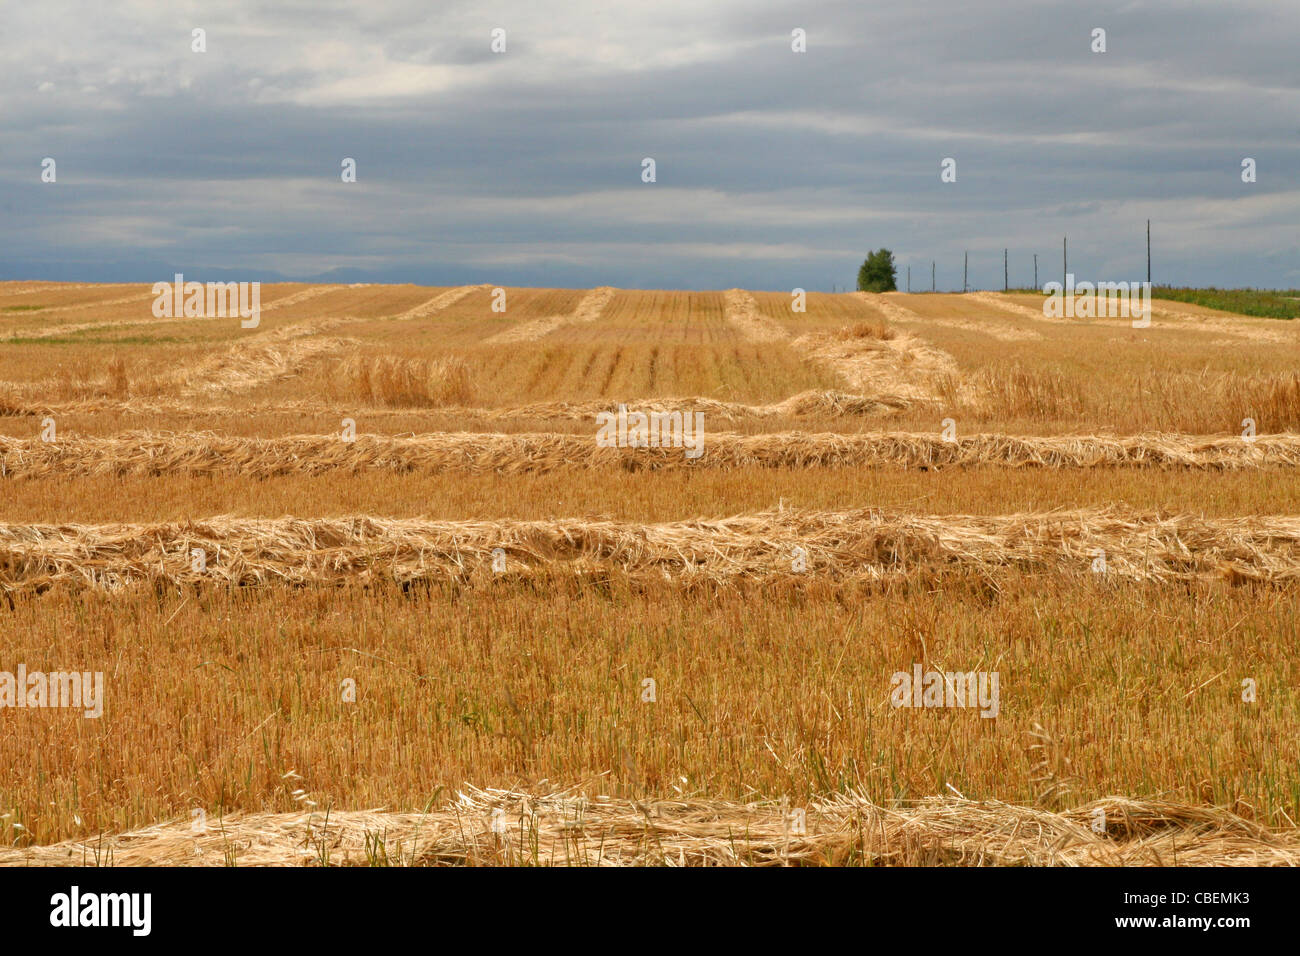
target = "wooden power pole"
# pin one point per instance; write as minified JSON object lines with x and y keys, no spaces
{"x":964,"y":264}
{"x":1006,"y":281}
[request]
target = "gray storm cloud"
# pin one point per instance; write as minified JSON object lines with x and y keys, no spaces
{"x":775,"y":169}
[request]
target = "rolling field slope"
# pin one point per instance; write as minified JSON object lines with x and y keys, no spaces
{"x":371,"y":554}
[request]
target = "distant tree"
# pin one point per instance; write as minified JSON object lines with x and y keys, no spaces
{"x":878,"y":273}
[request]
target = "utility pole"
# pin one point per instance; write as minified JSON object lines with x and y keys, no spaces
{"x":1035,"y":270}
{"x":964,"y":263}
{"x":1006,"y":281}
{"x":1148,"y":252}
{"x":931,"y":275}
{"x":1065,"y":260}
{"x":909,"y":278}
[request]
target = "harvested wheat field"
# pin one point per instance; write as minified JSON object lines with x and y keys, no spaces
{"x":476,"y":575}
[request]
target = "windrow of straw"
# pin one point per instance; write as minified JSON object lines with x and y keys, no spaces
{"x":203,"y":453}
{"x":71,"y":328}
{"x":263,"y":358}
{"x":999,"y":301}
{"x":742,"y":311}
{"x":51,"y":331}
{"x":865,"y":545}
{"x":23,"y":402}
{"x":990,"y":326}
{"x":1014,"y":308}
{"x":891,"y":362}
{"x":587,"y":310}
{"x":305,"y":295}
{"x":297,"y":297}
{"x":498,"y":827}
{"x":249,"y":365}
{"x":811,"y":402}
{"x":871,"y":358}
{"x":122,"y":300}
{"x":1186,"y":403}
{"x":16,"y":287}
{"x":439,"y":302}
{"x":1253,"y":330}
{"x":47,"y":331}
{"x":1007,"y":305}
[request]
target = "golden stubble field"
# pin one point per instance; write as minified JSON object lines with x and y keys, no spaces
{"x":475,"y":635}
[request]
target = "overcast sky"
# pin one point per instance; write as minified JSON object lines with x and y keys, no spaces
{"x":775,"y":169}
